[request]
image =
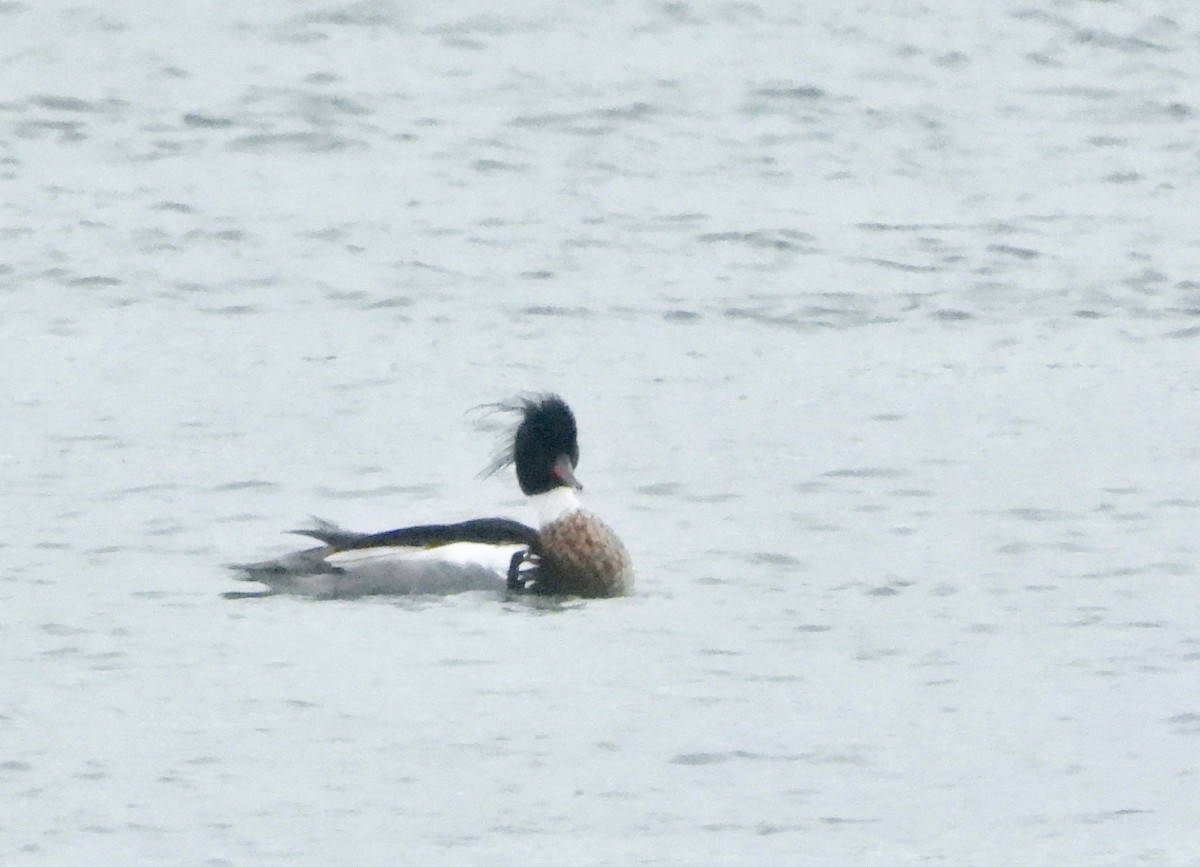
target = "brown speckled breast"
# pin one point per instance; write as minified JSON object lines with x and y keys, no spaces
{"x":581,"y":556}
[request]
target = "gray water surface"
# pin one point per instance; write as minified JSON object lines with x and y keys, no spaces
{"x":881,"y":324}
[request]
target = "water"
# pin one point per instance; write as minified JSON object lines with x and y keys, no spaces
{"x":881,"y":327}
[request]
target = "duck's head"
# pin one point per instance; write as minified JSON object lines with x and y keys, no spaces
{"x":544,"y":447}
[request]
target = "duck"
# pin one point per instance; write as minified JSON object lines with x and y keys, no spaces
{"x":571,"y":552}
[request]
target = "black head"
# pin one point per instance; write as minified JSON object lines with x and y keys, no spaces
{"x":544,"y":447}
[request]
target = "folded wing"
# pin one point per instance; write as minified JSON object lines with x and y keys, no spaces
{"x":437,"y":559}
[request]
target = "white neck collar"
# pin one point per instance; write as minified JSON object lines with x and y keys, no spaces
{"x":555,"y":504}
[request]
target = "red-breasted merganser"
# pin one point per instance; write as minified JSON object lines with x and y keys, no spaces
{"x":572,"y":553}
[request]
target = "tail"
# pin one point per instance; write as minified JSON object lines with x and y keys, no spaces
{"x":330,"y":534}
{"x":300,"y":572}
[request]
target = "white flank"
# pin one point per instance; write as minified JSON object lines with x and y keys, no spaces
{"x":384,"y":571}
